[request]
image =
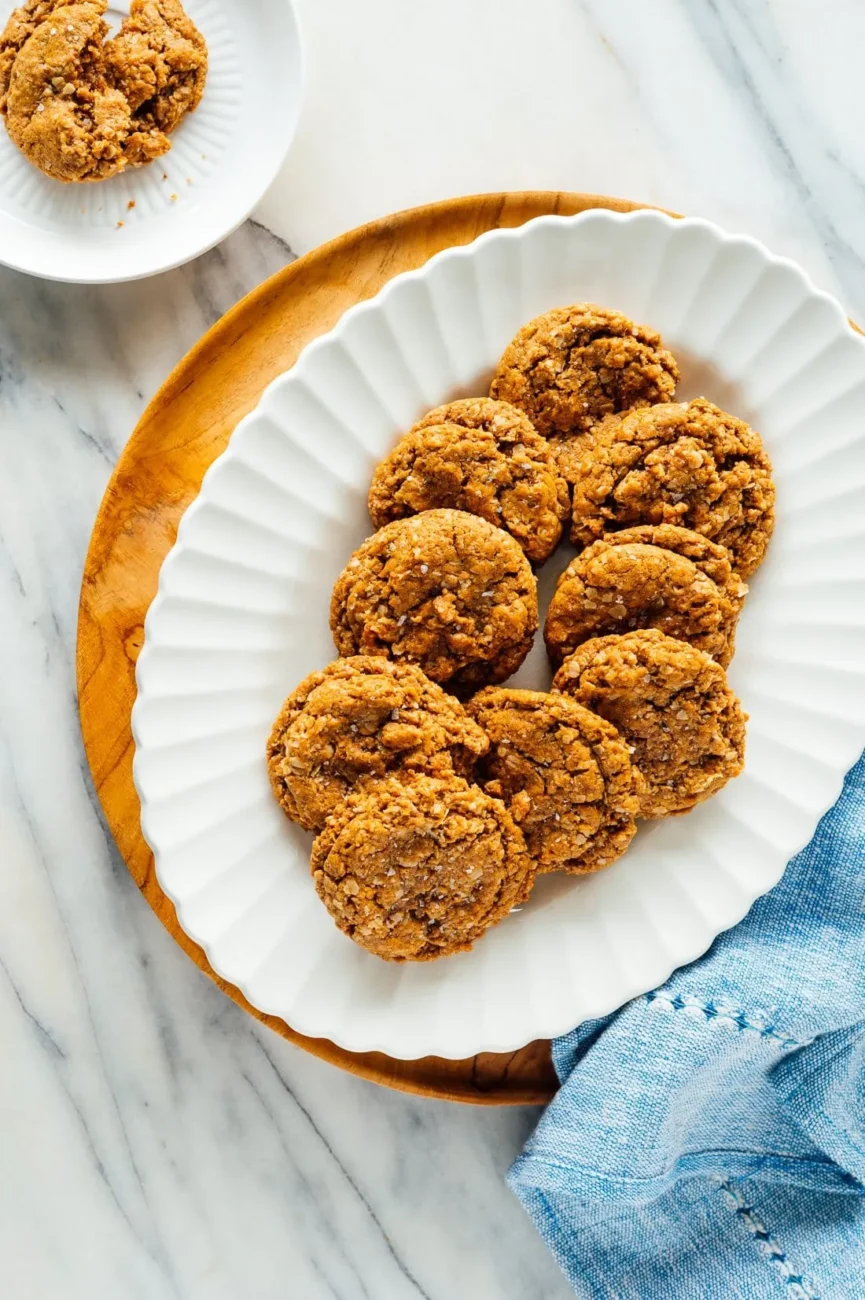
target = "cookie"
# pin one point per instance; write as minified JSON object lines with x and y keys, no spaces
{"x":61,"y":110}
{"x":445,"y":590}
{"x":418,"y":869}
{"x":672,"y":705}
{"x":364,"y":718}
{"x":84,"y":110}
{"x":564,"y":773}
{"x":481,"y":456}
{"x":158,"y":60}
{"x":655,"y":576}
{"x":571,"y":367}
{"x":20,"y":26}
{"x":686,"y":463}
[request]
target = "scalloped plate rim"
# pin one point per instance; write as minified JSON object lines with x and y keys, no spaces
{"x":711,"y":930}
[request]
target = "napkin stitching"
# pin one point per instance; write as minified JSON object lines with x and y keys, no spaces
{"x":765,"y":1242}
{"x":766,"y":1160}
{"x":720,"y":1012}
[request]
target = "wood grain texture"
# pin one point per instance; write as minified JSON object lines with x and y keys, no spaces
{"x":185,"y":427}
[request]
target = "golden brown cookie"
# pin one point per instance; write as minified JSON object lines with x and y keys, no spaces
{"x":64,"y":92}
{"x":61,"y":110}
{"x":686,"y":463}
{"x":654,"y":576}
{"x":20,"y":26}
{"x":158,"y":60}
{"x":443,"y":589}
{"x":418,"y":869}
{"x":481,"y":456}
{"x":360,"y":718}
{"x":571,"y":367}
{"x":564,"y":773}
{"x":672,"y":704}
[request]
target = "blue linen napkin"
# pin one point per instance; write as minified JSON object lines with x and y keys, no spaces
{"x":708,"y":1139}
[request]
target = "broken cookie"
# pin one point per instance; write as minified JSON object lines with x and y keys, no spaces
{"x":83,"y":109}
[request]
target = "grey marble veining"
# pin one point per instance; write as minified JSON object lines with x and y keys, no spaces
{"x":747,"y":112}
{"x":155,"y":1142}
{"x":755,"y":118}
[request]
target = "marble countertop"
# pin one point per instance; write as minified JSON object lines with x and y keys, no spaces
{"x":156,"y":1143}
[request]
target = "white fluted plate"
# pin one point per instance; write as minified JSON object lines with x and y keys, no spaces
{"x":242,"y":615}
{"x":223,"y":159}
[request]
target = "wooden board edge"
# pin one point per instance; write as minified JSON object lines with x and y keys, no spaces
{"x":488,"y":1074}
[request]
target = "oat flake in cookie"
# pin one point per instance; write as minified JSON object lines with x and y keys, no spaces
{"x":672,"y":704}
{"x":364,"y":718}
{"x":444,"y":590}
{"x":571,"y":367}
{"x":681,"y":463}
{"x":481,"y":456}
{"x":418,"y":869}
{"x":564,"y":773}
{"x":655,"y":576}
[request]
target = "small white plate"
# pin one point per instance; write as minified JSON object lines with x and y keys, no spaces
{"x":223,"y":159}
{"x":242,"y":615}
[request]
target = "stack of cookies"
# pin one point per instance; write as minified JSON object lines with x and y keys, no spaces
{"x":436,"y":793}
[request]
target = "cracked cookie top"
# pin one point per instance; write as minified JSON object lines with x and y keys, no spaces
{"x":362,"y":718}
{"x":571,"y":367}
{"x":686,"y":463}
{"x":654,"y":576}
{"x":564,"y":773}
{"x":418,"y":869}
{"x":672,"y":705}
{"x":481,"y":456}
{"x":81,"y":108}
{"x":443,"y":589}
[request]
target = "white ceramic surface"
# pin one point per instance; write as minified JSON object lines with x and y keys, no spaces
{"x":241,"y":617}
{"x":165,"y":1146}
{"x":223,"y":158}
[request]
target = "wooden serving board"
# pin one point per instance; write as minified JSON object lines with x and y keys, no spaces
{"x":184,"y":429}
